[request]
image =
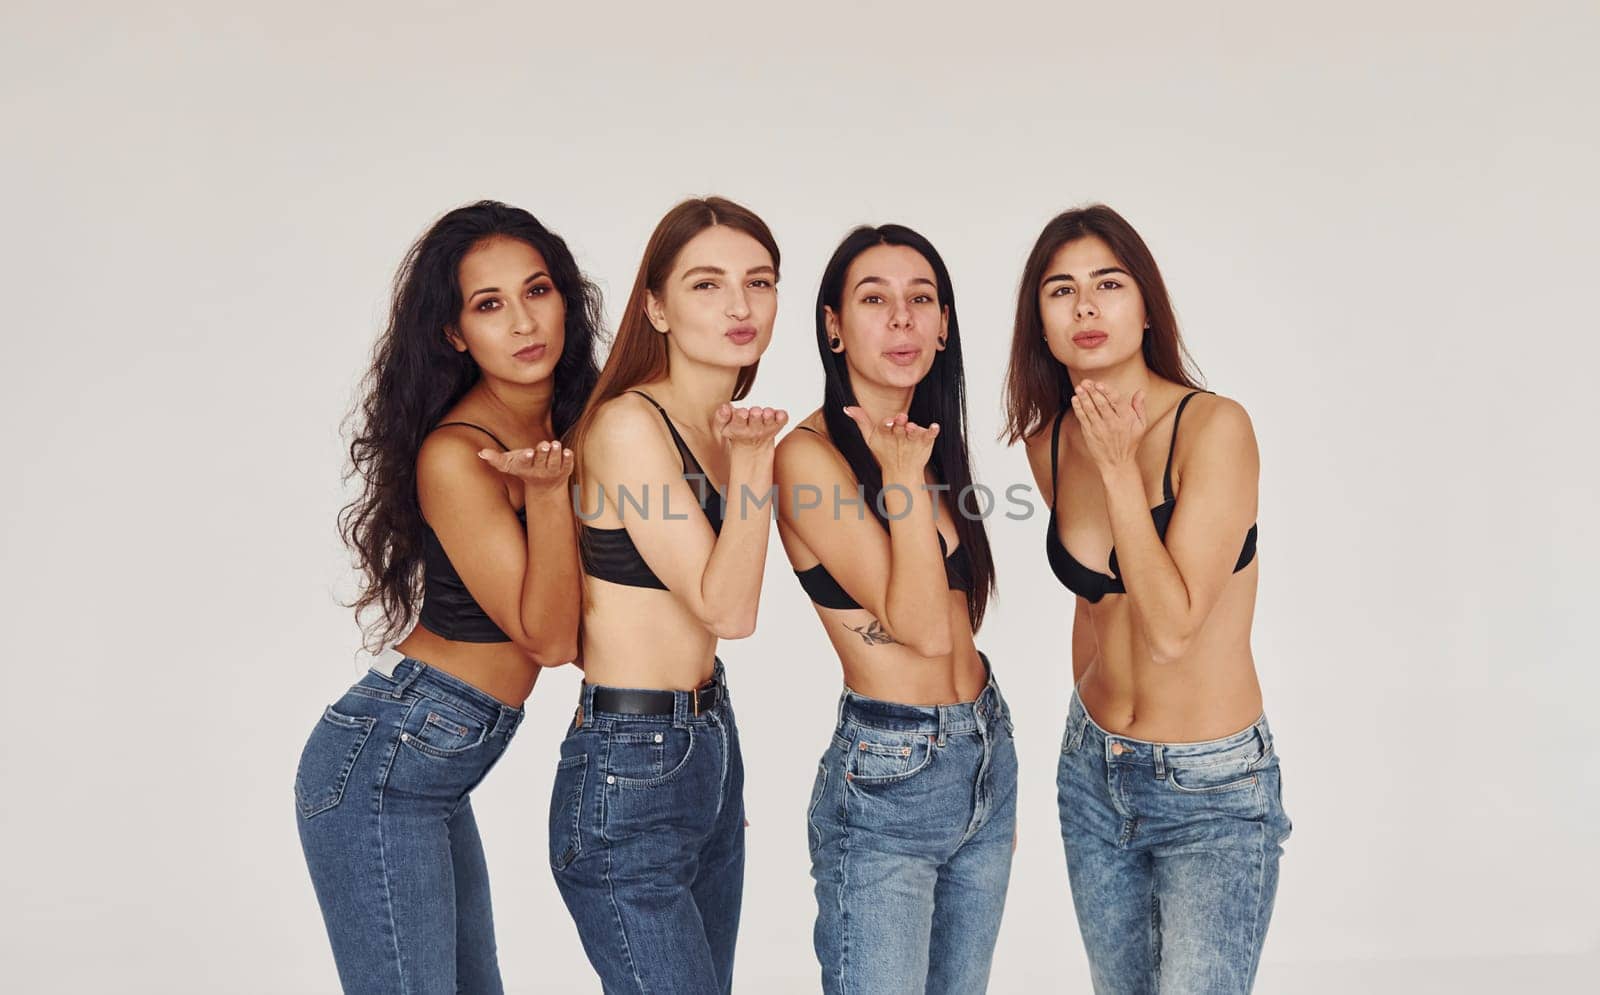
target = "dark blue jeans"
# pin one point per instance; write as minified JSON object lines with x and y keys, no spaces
{"x":912,"y":822}
{"x":388,"y":833}
{"x":1172,"y":849}
{"x":647,"y":844}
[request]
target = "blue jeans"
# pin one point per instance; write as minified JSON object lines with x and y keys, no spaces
{"x":1172,"y":850}
{"x":647,"y":843}
{"x":388,"y":832}
{"x":911,"y":826}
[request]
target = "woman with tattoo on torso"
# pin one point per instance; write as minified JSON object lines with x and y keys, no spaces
{"x":912,"y":817}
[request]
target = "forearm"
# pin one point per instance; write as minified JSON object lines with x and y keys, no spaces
{"x":730,"y":588}
{"x":550,"y":605}
{"x":1156,"y":590}
{"x":915,"y":608}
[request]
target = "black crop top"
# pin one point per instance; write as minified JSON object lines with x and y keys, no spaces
{"x":609,"y":554}
{"x":448,"y":608}
{"x":823,"y":590}
{"x":1092,"y":585}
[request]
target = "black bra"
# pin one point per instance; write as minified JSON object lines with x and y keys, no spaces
{"x":609,"y":554}
{"x":1092,"y":585}
{"x":448,"y":608}
{"x":823,"y":590}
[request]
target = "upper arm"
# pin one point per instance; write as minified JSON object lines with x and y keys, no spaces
{"x":464,"y":501}
{"x":853,"y":547}
{"x":1217,"y":496}
{"x":628,"y":449}
{"x":1038,"y":448}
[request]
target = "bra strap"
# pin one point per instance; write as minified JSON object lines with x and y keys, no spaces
{"x":685,"y":454}
{"x":1166,"y":477}
{"x":480,"y":428}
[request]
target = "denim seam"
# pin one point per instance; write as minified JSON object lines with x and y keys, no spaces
{"x":811,"y":813}
{"x":601,"y":796}
{"x":844,"y":882}
{"x":383,"y":858}
{"x":574,"y":846}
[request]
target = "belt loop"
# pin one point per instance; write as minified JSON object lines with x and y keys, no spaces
{"x":408,"y":680}
{"x":1159,"y":752}
{"x":1263,"y":735}
{"x":941,"y":726}
{"x":505,"y":722}
{"x":838,"y":721}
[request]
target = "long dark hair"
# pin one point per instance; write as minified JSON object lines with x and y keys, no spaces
{"x":639,"y":352}
{"x":941,"y":397}
{"x":416,"y":376}
{"x":1037,"y":385}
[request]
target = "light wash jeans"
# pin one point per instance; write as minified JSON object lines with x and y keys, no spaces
{"x":1172,"y":850}
{"x":911,"y":827}
{"x":388,"y":834}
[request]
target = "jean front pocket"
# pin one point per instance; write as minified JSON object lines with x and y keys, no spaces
{"x":878,"y":757}
{"x":443,"y":731}
{"x":327,"y":760}
{"x":1234,"y":772}
{"x":566,"y":810}
{"x":648,"y":756}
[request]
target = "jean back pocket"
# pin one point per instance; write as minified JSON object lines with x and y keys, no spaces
{"x":329,"y":756}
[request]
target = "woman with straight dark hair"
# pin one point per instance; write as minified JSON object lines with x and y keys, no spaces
{"x":647,"y":811}
{"x":464,"y":530}
{"x":1171,"y":809}
{"x":913,"y":812}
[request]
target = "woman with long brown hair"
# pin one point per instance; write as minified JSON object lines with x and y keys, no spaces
{"x":1169,"y":791}
{"x":647,"y":810}
{"x":464,"y":533}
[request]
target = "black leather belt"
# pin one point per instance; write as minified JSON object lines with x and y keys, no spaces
{"x":626,"y":702}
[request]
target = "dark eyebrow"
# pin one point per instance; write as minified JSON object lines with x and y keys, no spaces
{"x":760,"y":269}
{"x":879,"y":279}
{"x":713,"y":270}
{"x":496,"y":290}
{"x":1068,"y":277}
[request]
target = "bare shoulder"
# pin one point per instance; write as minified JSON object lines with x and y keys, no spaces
{"x":800,"y":450}
{"x":1217,"y":427}
{"x":1214,"y":414}
{"x":621,"y":425}
{"x":448,"y":466}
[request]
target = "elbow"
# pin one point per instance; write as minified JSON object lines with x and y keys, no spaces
{"x":740,"y":627}
{"x":930,"y":639}
{"x":553,"y":655}
{"x":1170,"y":647}
{"x":548,"y":650}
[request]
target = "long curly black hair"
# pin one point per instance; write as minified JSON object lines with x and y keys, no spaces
{"x":416,"y":376}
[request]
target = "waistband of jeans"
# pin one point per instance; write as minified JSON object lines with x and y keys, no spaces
{"x":683,"y":702}
{"x":934,"y":720}
{"x":411,"y":674}
{"x":1129,"y":750}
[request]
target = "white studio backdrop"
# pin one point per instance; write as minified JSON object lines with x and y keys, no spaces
{"x":1377,"y":222}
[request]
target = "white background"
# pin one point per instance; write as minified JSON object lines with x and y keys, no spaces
{"x":1377,"y":222}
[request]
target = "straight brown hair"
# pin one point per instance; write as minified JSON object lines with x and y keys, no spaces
{"x":638,"y":351}
{"x":1037,"y":385}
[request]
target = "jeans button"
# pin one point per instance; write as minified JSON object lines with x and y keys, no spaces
{"x":1117,"y":749}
